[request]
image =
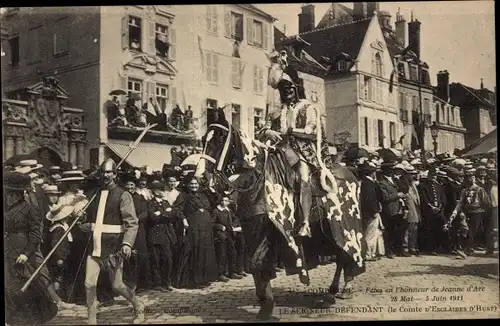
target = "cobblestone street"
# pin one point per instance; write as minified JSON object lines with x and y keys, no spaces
{"x":472,"y":291}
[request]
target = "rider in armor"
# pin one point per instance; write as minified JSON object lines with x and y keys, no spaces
{"x":293,"y":128}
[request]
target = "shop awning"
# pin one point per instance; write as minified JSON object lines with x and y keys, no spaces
{"x":485,"y":145}
{"x":152,"y":155}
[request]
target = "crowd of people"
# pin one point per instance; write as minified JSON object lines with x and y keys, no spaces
{"x":445,"y":205}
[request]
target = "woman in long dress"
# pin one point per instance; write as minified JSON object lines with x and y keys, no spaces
{"x":22,"y":237}
{"x":197,"y":265}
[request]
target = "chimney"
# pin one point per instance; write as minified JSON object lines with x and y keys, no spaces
{"x":482,"y":85}
{"x":363,"y":10}
{"x":384,"y":18}
{"x":306,"y":18}
{"x":401,"y":29}
{"x":414,"y":36}
{"x":443,"y":85}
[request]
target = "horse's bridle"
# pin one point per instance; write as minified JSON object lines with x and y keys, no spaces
{"x":219,"y":168}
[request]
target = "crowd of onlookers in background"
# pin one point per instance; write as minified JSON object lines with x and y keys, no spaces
{"x":444,"y":205}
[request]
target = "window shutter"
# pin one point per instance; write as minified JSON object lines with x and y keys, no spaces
{"x":215,"y":21}
{"x":250,"y":31}
{"x":215,"y":65}
{"x":255,"y":79}
{"x":173,"y":41}
{"x":369,"y":137}
{"x":362,"y":135}
{"x":173,"y":96}
{"x":261,"y":81}
{"x":125,"y":37}
{"x":151,"y":37}
{"x":208,"y":18}
{"x":265,"y":36}
{"x":209,"y":66}
{"x":375,"y":132}
{"x":227,"y":23}
{"x":124,"y":86}
{"x":152,"y":89}
{"x":361,"y":88}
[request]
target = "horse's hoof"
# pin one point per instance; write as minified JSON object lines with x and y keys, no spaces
{"x":305,"y":231}
{"x":345,"y":294}
{"x":266,"y":310}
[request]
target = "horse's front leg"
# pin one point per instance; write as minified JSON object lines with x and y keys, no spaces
{"x":343,"y":265}
{"x":264,"y":293}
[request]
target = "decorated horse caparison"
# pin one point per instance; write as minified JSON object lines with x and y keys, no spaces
{"x":271,"y":210}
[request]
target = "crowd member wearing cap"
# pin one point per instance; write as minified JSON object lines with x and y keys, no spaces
{"x":161,"y":238}
{"x":198,"y":266}
{"x":432,"y":201}
{"x":137,"y":268}
{"x":174,"y":199}
{"x":58,"y":217}
{"x":54,"y":174}
{"x":473,"y":202}
{"x":459,"y":229}
{"x":392,"y":208}
{"x":483,"y":180}
{"x":112,"y":223}
{"x":413,"y":217}
{"x":226,"y":224}
{"x":494,"y":210}
{"x":22,"y":238}
{"x":370,"y":198}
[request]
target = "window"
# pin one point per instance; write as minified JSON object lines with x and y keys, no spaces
{"x":401,"y":69}
{"x":236,"y":74}
{"x":364,"y":126}
{"x":427,"y":106}
{"x":211,"y":109}
{"x":342,"y":65}
{"x":161,"y":40}
{"x":392,"y":134}
{"x":367,"y":91}
{"x":235,"y":116}
{"x":212,"y":67}
{"x":134,"y":33}
{"x":212,"y":18}
{"x":135,"y":87}
{"x":380,"y":130}
{"x":378,"y":64}
{"x":258,"y":80}
{"x":14,"y":52}
{"x":162,"y":96}
{"x":425,"y":77}
{"x":257,"y":33}
{"x":414,"y":103}
{"x":402,"y":101}
{"x":61,"y":40}
{"x":233,"y":24}
{"x":33,"y":51}
{"x":258,"y":119}
{"x":413,"y":72}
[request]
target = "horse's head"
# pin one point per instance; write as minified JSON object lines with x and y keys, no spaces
{"x":226,"y":150}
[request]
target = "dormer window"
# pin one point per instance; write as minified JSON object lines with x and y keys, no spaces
{"x":413,"y":72}
{"x":342,"y":65}
{"x":378,"y":64}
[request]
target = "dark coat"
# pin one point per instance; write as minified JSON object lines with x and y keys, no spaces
{"x":160,"y":228}
{"x":141,"y":210}
{"x":391,"y":205}
{"x":224,"y":218}
{"x":370,"y":198}
{"x":431,"y":194}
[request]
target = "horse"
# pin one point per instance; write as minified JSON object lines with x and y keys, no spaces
{"x":267,"y":208}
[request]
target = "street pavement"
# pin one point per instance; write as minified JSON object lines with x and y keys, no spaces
{"x":471,"y":291}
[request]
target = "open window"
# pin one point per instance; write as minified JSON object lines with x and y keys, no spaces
{"x":233,"y":23}
{"x":14,"y":52}
{"x":134,"y":33}
{"x":161,"y":40}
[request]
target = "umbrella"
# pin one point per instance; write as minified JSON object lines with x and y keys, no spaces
{"x":355,"y":153}
{"x":118,"y":92}
{"x":388,"y":154}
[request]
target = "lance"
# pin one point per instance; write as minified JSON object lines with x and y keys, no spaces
{"x":132,"y":146}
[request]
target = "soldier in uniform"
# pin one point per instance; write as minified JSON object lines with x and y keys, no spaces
{"x":300,"y":117}
{"x":113,"y":222}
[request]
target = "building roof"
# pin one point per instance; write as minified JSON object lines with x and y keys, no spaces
{"x":257,"y":11}
{"x":306,"y":64}
{"x":334,"y":40}
{"x":476,"y":95}
{"x":337,"y":8}
{"x":485,"y":145}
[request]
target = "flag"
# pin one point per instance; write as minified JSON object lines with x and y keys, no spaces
{"x":395,"y":70}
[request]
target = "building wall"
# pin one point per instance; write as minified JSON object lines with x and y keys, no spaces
{"x":195,"y":43}
{"x":451,"y":131}
{"x":77,"y":68}
{"x":340,"y":99}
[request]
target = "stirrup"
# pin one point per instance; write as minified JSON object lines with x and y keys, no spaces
{"x":304,"y":231}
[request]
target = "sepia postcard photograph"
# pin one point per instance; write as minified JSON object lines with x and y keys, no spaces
{"x":246,"y":163}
